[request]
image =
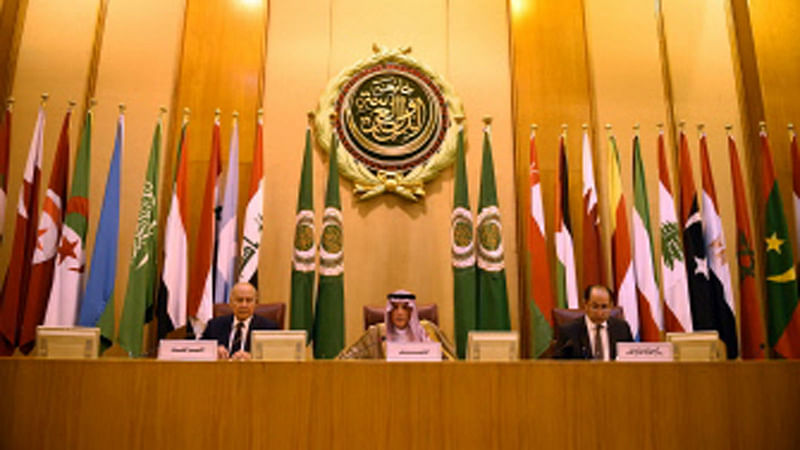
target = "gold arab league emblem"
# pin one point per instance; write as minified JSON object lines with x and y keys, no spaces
{"x":394,"y":121}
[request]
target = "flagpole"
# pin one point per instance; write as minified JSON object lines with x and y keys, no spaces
{"x":10,"y":104}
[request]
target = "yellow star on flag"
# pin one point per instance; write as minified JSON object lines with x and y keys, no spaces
{"x":773,"y":243}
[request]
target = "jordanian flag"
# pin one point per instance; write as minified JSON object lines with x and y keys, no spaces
{"x":592,"y":244}
{"x":142,"y":271}
{"x":566,"y":280}
{"x":226,"y":238}
{"x":5,"y":150}
{"x":783,"y":313}
{"x":463,"y":252}
{"x":254,"y":212}
{"x":492,"y":301}
{"x":304,"y":254}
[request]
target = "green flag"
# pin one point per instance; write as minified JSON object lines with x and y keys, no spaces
{"x":492,"y":294}
{"x":304,"y":254}
{"x":328,"y":329}
{"x":463,"y":253}
{"x":138,"y":306}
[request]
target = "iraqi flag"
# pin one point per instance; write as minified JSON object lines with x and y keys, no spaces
{"x":566,"y":280}
{"x":254,"y":212}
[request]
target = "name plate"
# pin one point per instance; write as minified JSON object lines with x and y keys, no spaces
{"x":644,"y":351}
{"x":278,"y":345}
{"x":414,"y":351}
{"x":187,"y":350}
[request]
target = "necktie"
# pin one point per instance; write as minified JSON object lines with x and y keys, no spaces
{"x":598,"y":342}
{"x":237,"y":338}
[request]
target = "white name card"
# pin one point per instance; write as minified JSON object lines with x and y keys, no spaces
{"x":187,"y":350}
{"x":644,"y":351}
{"x":414,"y":351}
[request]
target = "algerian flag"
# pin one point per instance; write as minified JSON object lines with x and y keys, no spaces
{"x":301,"y":316}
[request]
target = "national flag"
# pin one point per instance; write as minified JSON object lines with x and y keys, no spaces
{"x":795,"y":186}
{"x":328,"y":330}
{"x":462,"y":242}
{"x":492,"y":299}
{"x":720,"y":274}
{"x":621,"y":261}
{"x":97,"y":309}
{"x":18,"y":273}
{"x":541,"y":290}
{"x":142,"y":271}
{"x":566,"y":279}
{"x":677,"y":310}
{"x":783,"y":329}
{"x":5,"y":150}
{"x":592,"y":244}
{"x":304,"y":252}
{"x":753,"y":341}
{"x":254,"y":213}
{"x":651,"y":317}
{"x":226,"y":239}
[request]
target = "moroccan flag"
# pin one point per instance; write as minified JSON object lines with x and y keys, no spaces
{"x":651,"y":317}
{"x":566,"y":280}
{"x":677,"y":310}
{"x":173,"y":288}
{"x":44,"y":252}
{"x":226,"y":239}
{"x":98,"y":301}
{"x":542,"y":302}
{"x":142,"y":271}
{"x":783,"y":328}
{"x":492,"y":299}
{"x":328,"y":329}
{"x":700,"y":288}
{"x":462,"y":240}
{"x":592,"y":245}
{"x":304,"y":254}
{"x":753,"y":341}
{"x":19,"y":268}
{"x":254,"y":213}
{"x":201,"y":289}
{"x":5,"y":150}
{"x":621,"y":261}
{"x":719,"y":274}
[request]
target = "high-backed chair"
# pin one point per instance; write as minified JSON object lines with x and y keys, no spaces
{"x":374,"y":314}
{"x":273,"y":311}
{"x":563,"y":316}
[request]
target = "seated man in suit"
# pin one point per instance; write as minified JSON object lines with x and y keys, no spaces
{"x":595,"y":335}
{"x":232,"y":332}
{"x":401,"y":324}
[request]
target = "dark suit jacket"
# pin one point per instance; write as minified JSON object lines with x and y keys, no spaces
{"x":573,"y":339}
{"x":219,"y":328}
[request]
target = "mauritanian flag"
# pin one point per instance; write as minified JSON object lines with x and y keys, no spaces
{"x":463,"y":252}
{"x":566,"y":280}
{"x":201,"y":289}
{"x":142,"y":271}
{"x":492,"y":299}
{"x":5,"y":150}
{"x":254,"y":212}
{"x":542,"y":301}
{"x":675,"y":286}
{"x":226,"y":238}
{"x":65,"y":294}
{"x":783,"y":329}
{"x":97,"y":309}
{"x":44,"y":253}
{"x":328,"y":330}
{"x":753,"y":342}
{"x":592,"y":245}
{"x":304,"y":253}
{"x":18,"y":274}
{"x":651,"y":317}
{"x":720,"y":274}
{"x":621,"y":261}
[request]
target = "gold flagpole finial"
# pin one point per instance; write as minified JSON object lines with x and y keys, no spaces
{"x":162,"y":110}
{"x":660,"y":127}
{"x":10,"y":103}
{"x":217,"y":114}
{"x":71,"y":105}
{"x":534,"y":127}
{"x":636,"y":128}
{"x":681,"y":125}
{"x":260,"y":113}
{"x":609,"y":130}
{"x":790,"y":127}
{"x":585,"y":126}
{"x":487,"y":120}
{"x":235,"y":116}
{"x":701,"y":127}
{"x":332,"y":117}
{"x":92,"y":104}
{"x":310,"y":118}
{"x":186,"y":113}
{"x":564,"y":130}
{"x":728,"y":129}
{"x":459,"y":119}
{"x":122,"y":108}
{"x":44,"y":98}
{"x":762,"y":126}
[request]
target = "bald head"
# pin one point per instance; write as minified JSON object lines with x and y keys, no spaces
{"x":243,"y":300}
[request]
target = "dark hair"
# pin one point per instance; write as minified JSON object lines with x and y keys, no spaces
{"x":588,"y":291}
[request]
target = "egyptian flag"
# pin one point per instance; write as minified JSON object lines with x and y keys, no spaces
{"x":566,"y":280}
{"x":592,"y":244}
{"x":254,"y":212}
{"x":5,"y":150}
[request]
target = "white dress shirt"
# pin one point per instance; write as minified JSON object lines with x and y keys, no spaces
{"x":591,"y":327}
{"x":246,"y":327}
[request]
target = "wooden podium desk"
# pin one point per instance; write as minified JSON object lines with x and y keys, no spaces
{"x":117,"y":404}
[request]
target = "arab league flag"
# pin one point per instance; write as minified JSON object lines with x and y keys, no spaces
{"x":328,"y":330}
{"x":566,"y":280}
{"x":304,"y":254}
{"x":783,"y":328}
{"x":651,"y":317}
{"x":44,"y":253}
{"x":254,"y":213}
{"x":720,"y":275}
{"x":138,"y":307}
{"x":592,"y":245}
{"x":463,"y":252}
{"x":541,"y":290}
{"x":17,"y":276}
{"x":677,"y":310}
{"x":226,"y":239}
{"x":492,"y":310}
{"x":5,"y":150}
{"x":754,"y":344}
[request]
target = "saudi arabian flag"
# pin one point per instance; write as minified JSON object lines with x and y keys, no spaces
{"x":328,"y":331}
{"x":301,"y":316}
{"x":492,"y":295}
{"x":138,"y":306}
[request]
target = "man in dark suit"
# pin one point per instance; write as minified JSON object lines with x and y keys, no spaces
{"x":595,"y":335}
{"x":232,"y":332}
